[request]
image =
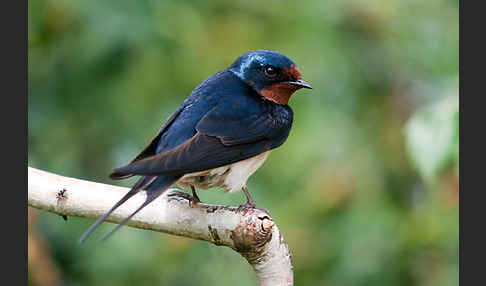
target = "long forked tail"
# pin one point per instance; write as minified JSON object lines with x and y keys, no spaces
{"x":154,"y":186}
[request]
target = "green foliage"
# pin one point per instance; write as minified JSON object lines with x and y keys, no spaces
{"x":364,"y":188}
{"x":433,"y":137}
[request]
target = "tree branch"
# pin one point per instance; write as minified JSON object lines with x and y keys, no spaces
{"x":250,"y":232}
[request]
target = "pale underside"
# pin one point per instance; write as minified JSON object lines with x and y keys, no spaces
{"x":231,"y":177}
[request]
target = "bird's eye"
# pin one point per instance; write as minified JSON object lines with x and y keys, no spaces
{"x":270,"y":71}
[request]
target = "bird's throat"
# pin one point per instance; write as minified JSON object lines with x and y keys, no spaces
{"x":279,"y":92}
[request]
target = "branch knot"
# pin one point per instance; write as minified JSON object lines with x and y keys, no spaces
{"x":252,"y":234}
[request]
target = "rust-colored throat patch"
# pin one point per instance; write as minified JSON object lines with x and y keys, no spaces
{"x":281,"y":92}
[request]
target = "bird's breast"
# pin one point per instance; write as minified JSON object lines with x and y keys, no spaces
{"x":232,"y":177}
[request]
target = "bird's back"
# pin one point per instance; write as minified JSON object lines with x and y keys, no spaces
{"x":215,"y":90}
{"x":225,"y":90}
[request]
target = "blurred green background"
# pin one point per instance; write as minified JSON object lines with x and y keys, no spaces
{"x":365,"y":190}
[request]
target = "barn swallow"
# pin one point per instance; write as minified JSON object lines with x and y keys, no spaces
{"x":220,"y":134}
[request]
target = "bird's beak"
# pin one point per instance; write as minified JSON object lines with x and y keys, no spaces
{"x":300,"y":84}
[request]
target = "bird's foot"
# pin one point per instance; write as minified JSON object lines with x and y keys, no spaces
{"x":194,"y":199}
{"x":251,"y":205}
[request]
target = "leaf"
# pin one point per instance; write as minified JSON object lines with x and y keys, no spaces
{"x":433,"y":136}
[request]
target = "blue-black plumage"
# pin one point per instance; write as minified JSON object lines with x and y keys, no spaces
{"x":221,"y":133}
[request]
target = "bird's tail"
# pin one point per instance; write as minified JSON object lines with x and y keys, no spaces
{"x":154,"y":186}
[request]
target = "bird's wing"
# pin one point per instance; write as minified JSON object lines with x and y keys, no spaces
{"x":233,"y":128}
{"x":222,"y":138}
{"x":152,"y":147}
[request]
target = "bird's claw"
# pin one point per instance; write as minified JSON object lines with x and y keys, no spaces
{"x":247,"y":206}
{"x":194,"y":201}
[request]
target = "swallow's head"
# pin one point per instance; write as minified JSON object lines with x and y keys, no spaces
{"x":271,"y":74}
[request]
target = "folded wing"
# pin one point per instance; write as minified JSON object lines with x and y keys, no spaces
{"x":222,"y":137}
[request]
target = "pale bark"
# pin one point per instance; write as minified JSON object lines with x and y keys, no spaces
{"x":250,"y":232}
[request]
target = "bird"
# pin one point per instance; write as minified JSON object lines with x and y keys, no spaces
{"x":219,"y":135}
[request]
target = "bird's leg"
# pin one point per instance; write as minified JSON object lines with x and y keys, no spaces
{"x":250,"y":203}
{"x":249,"y":200}
{"x":195,"y":199}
